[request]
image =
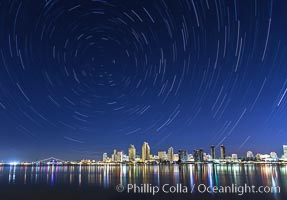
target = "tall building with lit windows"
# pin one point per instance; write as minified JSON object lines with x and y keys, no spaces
{"x":120,"y":156}
{"x":212,"y":151}
{"x":198,"y":155}
{"x":132,"y":153}
{"x":114,"y":156}
{"x":162,"y":156}
{"x":182,"y":155}
{"x":105,"y":156}
{"x":222,"y":152}
{"x":145,"y":151}
{"x":170,"y":154}
{"x":249,"y":154}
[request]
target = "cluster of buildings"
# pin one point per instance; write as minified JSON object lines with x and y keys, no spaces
{"x":168,"y":156}
{"x":182,"y":156}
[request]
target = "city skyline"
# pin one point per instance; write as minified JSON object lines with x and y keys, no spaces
{"x":78,"y":78}
{"x":171,"y":154}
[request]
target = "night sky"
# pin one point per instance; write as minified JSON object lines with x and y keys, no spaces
{"x":79,"y":78}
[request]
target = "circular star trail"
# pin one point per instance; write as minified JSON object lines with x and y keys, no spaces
{"x":88,"y":76}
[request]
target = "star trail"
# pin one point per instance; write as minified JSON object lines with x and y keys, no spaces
{"x":81,"y":77}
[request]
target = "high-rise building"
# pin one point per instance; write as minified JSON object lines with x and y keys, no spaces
{"x":222,"y":152}
{"x":114,"y":156}
{"x":285,"y":151}
{"x":132,"y":153}
{"x":162,"y":156}
{"x":249,"y":154}
{"x":212,"y":151}
{"x":105,"y":156}
{"x":182,"y":155}
{"x":175,"y":157}
{"x":170,"y":154}
{"x":119,"y":156}
{"x":198,"y":155}
{"x":145,"y":151}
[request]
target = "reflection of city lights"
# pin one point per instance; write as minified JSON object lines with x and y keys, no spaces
{"x":14,"y":163}
{"x":191,"y":174}
{"x":210,"y":175}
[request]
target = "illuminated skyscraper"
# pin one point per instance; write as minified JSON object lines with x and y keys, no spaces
{"x":212,"y":151}
{"x":105,"y":156}
{"x":162,"y":156}
{"x":249,"y":154}
{"x":198,"y":155}
{"x":132,"y":153}
{"x":182,"y":155}
{"x":114,"y":156}
{"x":222,"y":152}
{"x":145,"y":151}
{"x":119,"y":156}
{"x":170,"y":154}
{"x":175,"y":157}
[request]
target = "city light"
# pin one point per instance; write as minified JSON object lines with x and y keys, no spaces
{"x":14,"y":163}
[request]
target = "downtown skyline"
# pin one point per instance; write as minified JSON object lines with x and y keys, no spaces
{"x":81,"y":78}
{"x":200,"y":155}
{"x":146,"y":154}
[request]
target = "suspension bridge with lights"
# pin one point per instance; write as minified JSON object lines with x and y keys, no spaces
{"x":50,"y":161}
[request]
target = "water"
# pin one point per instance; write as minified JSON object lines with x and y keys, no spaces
{"x":100,"y":182}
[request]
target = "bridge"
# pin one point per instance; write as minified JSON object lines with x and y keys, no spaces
{"x":50,"y":161}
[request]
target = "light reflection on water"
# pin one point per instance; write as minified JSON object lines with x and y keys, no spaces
{"x":109,"y":176}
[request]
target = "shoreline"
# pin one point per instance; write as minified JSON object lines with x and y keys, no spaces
{"x":143,"y":164}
